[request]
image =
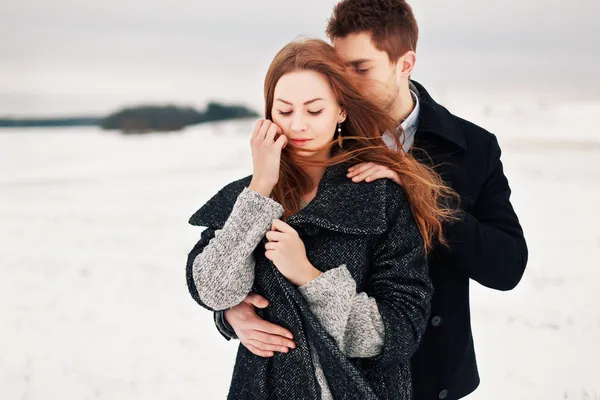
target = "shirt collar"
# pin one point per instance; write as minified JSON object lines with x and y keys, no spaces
{"x":409,"y":125}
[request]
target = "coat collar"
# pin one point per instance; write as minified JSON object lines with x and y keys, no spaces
{"x":436,"y":119}
{"x":344,"y":206}
{"x":215,"y":211}
{"x":340,"y":205}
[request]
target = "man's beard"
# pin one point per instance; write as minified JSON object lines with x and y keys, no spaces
{"x":391,"y":98}
{"x":391,"y":95}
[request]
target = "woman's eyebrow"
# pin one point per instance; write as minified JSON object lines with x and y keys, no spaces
{"x":305,"y":103}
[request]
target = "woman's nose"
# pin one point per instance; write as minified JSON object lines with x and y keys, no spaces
{"x":298,"y":124}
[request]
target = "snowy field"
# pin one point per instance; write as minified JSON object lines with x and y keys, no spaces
{"x":94,"y":237}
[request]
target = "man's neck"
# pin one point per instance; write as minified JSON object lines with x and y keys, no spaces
{"x":403,"y":105}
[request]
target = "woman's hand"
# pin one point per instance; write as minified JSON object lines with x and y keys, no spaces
{"x":369,"y":172}
{"x":286,"y":250}
{"x":266,"y":156}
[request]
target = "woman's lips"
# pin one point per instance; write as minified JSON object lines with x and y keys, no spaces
{"x":300,"y":142}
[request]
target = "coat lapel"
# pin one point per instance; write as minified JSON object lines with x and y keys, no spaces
{"x":340,"y":205}
{"x":216,"y":211}
{"x":344,"y":206}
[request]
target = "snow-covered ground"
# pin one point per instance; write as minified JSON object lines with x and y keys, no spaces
{"x":94,"y":237}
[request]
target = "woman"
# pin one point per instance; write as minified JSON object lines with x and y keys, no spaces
{"x":346,"y":272}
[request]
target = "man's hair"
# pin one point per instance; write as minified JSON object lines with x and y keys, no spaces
{"x":391,"y":23}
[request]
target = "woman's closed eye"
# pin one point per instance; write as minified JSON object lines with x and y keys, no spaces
{"x":286,"y":113}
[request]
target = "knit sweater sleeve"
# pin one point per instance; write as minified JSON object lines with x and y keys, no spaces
{"x":351,"y":318}
{"x":222,"y":267}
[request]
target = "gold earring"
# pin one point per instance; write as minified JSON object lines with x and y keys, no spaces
{"x":340,"y":138}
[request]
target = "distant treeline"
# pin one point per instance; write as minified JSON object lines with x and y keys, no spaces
{"x":142,"y":119}
{"x":170,"y":118}
{"x":33,"y":122}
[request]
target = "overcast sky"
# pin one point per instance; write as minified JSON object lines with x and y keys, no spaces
{"x":65,"y":57}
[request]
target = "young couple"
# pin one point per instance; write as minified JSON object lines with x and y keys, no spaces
{"x":343,"y":262}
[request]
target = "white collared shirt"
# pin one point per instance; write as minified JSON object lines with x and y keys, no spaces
{"x":409,"y":126}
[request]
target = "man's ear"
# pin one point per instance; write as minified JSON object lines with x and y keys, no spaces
{"x":406,"y":64}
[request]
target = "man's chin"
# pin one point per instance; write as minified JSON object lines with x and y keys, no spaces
{"x":383,"y":100}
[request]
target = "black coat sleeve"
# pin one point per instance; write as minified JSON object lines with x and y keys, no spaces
{"x":488,"y":243}
{"x":223,"y":326}
{"x":400,"y":284}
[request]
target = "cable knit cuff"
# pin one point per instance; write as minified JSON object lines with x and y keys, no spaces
{"x":351,"y":318}
{"x":224,"y":271}
{"x":254,"y":213}
{"x":330,"y":298}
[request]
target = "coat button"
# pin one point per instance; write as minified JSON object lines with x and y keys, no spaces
{"x":443,"y":394}
{"x":436,"y":321}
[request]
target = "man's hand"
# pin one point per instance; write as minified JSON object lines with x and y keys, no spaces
{"x":369,"y":172}
{"x":257,"y":335}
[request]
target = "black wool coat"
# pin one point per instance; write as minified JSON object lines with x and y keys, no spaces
{"x":370,"y":228}
{"x":487,"y":245}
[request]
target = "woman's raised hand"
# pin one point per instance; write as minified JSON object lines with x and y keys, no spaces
{"x":266,"y":156}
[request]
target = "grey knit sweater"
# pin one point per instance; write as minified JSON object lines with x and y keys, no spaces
{"x":224,"y":274}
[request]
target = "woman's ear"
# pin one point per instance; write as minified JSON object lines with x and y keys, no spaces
{"x":342,"y":116}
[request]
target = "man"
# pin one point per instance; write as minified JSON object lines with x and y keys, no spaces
{"x":378,"y":39}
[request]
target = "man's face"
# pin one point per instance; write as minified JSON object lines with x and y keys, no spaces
{"x":377,"y":76}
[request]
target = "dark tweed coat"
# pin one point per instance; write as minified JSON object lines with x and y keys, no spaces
{"x":368,"y":227}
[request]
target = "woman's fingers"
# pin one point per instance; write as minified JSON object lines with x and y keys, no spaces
{"x":271,"y":245}
{"x":275,"y":236}
{"x":266,"y":131}
{"x":262,"y":133}
{"x":279,"y":225}
{"x":257,"y":127}
{"x":271,"y":132}
{"x":281,"y":142}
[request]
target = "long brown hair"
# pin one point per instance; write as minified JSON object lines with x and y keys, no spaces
{"x":362,"y":141}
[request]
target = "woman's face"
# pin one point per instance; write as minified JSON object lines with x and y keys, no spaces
{"x":307,"y":111}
